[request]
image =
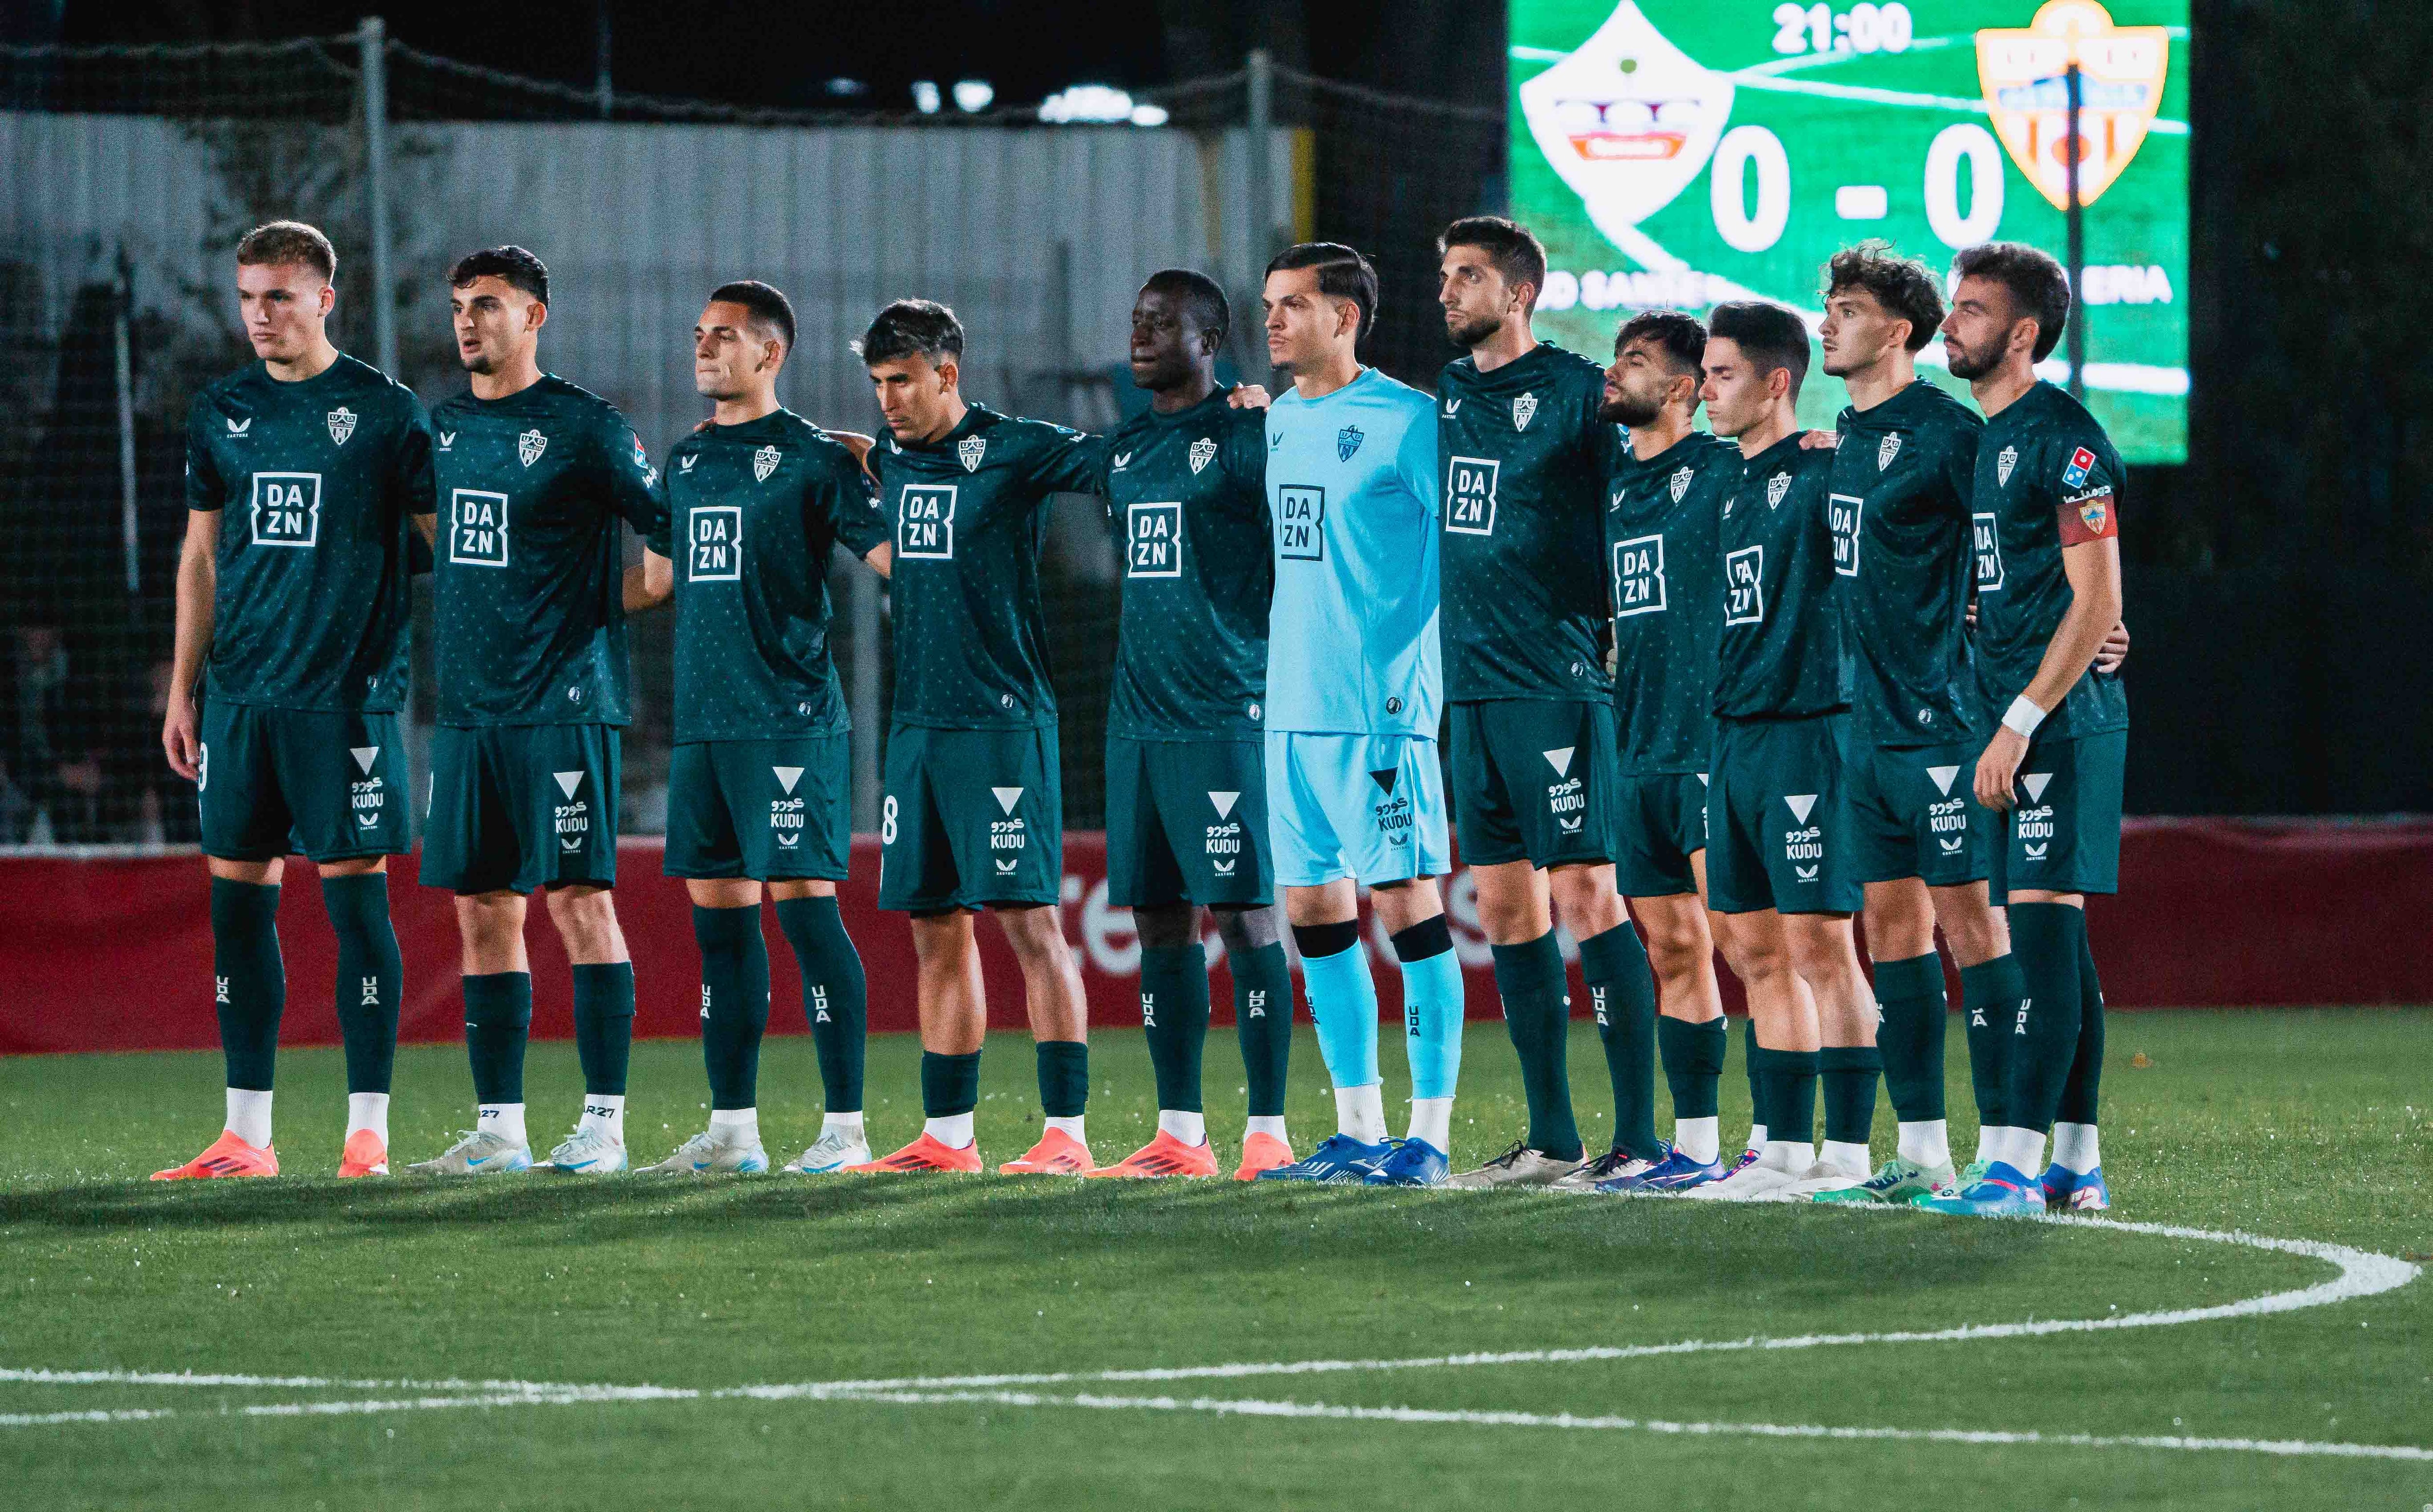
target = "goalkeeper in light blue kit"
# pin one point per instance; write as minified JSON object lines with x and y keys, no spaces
{"x":1354,"y":683}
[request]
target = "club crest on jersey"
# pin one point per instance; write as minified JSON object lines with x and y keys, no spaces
{"x":1525,"y":409}
{"x":971,"y":448}
{"x":342,"y":424}
{"x":1776,"y":487}
{"x":1203,"y":451}
{"x":2003,"y":466}
{"x":2094,"y":509}
{"x":1347,"y":441}
{"x":1680,"y":484}
{"x":764,"y":462}
{"x":2082,"y":462}
{"x":1886,"y":449}
{"x":530,"y":445}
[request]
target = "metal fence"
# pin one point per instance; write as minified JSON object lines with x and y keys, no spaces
{"x":134,"y":170}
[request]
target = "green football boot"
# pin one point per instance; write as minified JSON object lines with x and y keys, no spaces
{"x":1897,"y":1183}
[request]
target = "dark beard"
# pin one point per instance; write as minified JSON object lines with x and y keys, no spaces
{"x":1966,"y":365}
{"x":1471,"y":335}
{"x":1630,"y":411}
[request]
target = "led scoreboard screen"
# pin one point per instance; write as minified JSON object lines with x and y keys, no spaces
{"x":1680,"y":153}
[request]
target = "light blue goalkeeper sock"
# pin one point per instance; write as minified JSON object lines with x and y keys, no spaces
{"x":1342,"y":1000}
{"x":1431,"y":1006}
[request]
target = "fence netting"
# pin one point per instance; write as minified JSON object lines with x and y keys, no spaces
{"x":135,"y":169}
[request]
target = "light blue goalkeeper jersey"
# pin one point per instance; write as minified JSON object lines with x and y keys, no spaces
{"x":1352,"y":493}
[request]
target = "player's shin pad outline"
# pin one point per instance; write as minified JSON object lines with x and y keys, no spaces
{"x":2363,"y":1273}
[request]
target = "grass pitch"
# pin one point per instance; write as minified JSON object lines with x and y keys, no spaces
{"x":373,"y":1299}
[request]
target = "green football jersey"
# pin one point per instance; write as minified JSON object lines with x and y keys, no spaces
{"x":1188,"y":493}
{"x":2047,"y":479}
{"x":971,"y":640}
{"x":528,"y":622}
{"x":315,"y":483}
{"x":1780,"y":654}
{"x":752,"y":513}
{"x":1525,"y":459}
{"x":1900,"y":510}
{"x":1661,"y":522}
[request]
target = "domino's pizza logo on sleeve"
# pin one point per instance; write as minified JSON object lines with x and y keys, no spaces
{"x":2082,"y":462}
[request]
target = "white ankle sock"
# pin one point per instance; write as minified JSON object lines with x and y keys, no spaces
{"x":1926,"y":1142}
{"x":1192,"y":1129}
{"x":2022,"y":1149}
{"x":1071,"y":1125}
{"x":248,"y":1116}
{"x":1986,"y":1143}
{"x":1845,"y":1156}
{"x":1792,"y":1155}
{"x":1360,"y":1112}
{"x":1698,"y":1138}
{"x":1432,"y":1120}
{"x":844,"y":1124}
{"x":368,"y":1110}
{"x":504,"y":1119}
{"x":1264,"y":1124}
{"x":954,"y":1131}
{"x":2075,"y":1148}
{"x":605,"y":1113}
{"x":1756,"y":1140}
{"x":735,"y":1125}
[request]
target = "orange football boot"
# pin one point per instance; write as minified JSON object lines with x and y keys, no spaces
{"x":228,"y":1156}
{"x":1164,"y":1156}
{"x":364,"y":1155}
{"x":1057,"y":1153}
{"x":927,"y":1154}
{"x":1261,"y":1152}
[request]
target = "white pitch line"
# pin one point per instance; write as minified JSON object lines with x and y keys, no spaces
{"x":1237,"y":1406}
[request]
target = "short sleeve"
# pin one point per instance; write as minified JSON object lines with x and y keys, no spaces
{"x":1960,"y":465}
{"x":1246,"y":453}
{"x":2088,"y":491}
{"x":1415,"y":463}
{"x":205,"y":489}
{"x":661,"y":539}
{"x":848,"y":501}
{"x":635,"y":487}
{"x":411,"y":482}
{"x":1070,"y":462}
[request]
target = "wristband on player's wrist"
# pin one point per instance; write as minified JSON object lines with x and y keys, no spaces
{"x":2023,"y":717}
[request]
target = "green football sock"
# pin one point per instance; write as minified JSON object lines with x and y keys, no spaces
{"x":734,"y":1002}
{"x":1989,"y":1002}
{"x":603,"y":1024}
{"x":1064,"y":1077}
{"x":1614,"y":964}
{"x":1911,"y":1036}
{"x":1174,"y":1019}
{"x":1262,"y":1021}
{"x":1749,"y":1054}
{"x":1849,"y":1074}
{"x":498,"y":1021}
{"x":1790,"y":1078}
{"x":836,"y":996}
{"x":950,"y":1084}
{"x":249,"y":979}
{"x":1694,"y":1064}
{"x":2047,"y":938}
{"x":2079,"y":1095}
{"x":1537,"y":1013}
{"x":371,"y":975}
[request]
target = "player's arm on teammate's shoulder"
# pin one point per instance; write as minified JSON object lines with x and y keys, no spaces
{"x":855,"y":518}
{"x":2088,"y":520}
{"x":638,"y":491}
{"x":1820,"y":440}
{"x":1247,"y":396}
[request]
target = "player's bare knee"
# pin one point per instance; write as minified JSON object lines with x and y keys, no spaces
{"x":1248,"y":929}
{"x":1971,"y":923}
{"x":1585,"y":899}
{"x":1167,"y":928}
{"x":1036,"y":935}
{"x":1400,"y":905}
{"x":586,"y":922}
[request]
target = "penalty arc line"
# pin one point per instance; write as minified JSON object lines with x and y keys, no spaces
{"x":2363,"y":1273}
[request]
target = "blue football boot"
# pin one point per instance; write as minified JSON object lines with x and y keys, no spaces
{"x":1675,"y":1172}
{"x":1412,"y":1163}
{"x":2002,"y":1192}
{"x":1339,"y":1158}
{"x":2069,"y":1190}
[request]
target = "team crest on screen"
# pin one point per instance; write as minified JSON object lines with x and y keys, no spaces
{"x":1886,"y":449}
{"x":530,"y":445}
{"x":1776,"y":487}
{"x":1680,"y":484}
{"x":1203,"y":451}
{"x":1525,"y":409}
{"x":2003,"y":466}
{"x":764,"y":462}
{"x":342,"y":424}
{"x":971,"y":448}
{"x":1347,"y":441}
